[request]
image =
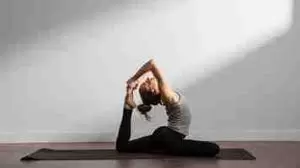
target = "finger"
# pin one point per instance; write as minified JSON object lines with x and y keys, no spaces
{"x":136,"y":85}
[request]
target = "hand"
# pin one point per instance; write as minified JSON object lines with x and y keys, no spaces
{"x":132,"y":84}
{"x":129,"y":100}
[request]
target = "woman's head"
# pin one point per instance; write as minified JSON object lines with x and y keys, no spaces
{"x":149,"y":92}
{"x":150,"y":95}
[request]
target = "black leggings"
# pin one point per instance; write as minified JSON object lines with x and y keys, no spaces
{"x":162,"y":140}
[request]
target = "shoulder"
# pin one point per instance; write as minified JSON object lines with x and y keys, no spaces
{"x":177,"y":97}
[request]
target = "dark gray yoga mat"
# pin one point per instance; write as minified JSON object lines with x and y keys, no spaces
{"x":111,"y":154}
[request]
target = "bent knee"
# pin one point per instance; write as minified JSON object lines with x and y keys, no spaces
{"x":121,"y":149}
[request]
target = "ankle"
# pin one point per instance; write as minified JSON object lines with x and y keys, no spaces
{"x":128,"y":107}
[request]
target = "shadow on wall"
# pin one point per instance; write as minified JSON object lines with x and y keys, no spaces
{"x":259,"y":92}
{"x":25,"y":20}
{"x":255,"y":92}
{"x":22,"y":22}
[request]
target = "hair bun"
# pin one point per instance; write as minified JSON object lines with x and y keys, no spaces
{"x":143,"y":108}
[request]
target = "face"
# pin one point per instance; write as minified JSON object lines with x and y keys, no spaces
{"x":150,"y":85}
{"x":149,"y":91}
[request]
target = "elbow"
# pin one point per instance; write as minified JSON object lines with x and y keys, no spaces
{"x":152,"y":62}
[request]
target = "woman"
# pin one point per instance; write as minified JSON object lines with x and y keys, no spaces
{"x":168,"y":139}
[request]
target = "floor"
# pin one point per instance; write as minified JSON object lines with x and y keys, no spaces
{"x":269,"y":155}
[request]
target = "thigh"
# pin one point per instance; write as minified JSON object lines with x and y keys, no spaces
{"x":199,"y":148}
{"x":166,"y":135}
{"x":167,"y":140}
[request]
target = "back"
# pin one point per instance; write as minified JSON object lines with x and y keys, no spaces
{"x":179,"y":116}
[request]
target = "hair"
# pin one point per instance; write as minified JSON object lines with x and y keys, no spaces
{"x":144,"y":109}
{"x":148,"y":100}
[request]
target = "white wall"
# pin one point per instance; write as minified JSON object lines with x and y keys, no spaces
{"x":63,"y":66}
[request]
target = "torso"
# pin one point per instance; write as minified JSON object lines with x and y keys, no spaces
{"x":179,"y":116}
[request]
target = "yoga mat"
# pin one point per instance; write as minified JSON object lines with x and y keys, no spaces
{"x":111,"y":154}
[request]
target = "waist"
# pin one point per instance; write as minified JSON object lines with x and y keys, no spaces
{"x":182,"y":129}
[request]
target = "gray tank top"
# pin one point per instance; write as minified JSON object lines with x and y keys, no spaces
{"x":179,"y":116}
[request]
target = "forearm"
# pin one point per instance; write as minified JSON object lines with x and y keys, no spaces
{"x":148,"y":66}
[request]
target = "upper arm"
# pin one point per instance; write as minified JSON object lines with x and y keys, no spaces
{"x":165,"y":89}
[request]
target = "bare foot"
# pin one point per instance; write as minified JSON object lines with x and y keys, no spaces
{"x":129,"y":102}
